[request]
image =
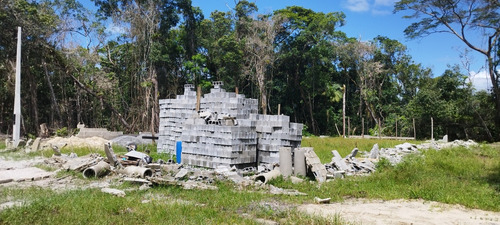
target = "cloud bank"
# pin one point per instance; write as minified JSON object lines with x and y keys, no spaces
{"x":480,"y":80}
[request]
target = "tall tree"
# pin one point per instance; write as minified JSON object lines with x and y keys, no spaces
{"x":464,"y":19}
{"x":306,"y":59}
{"x":260,"y":46}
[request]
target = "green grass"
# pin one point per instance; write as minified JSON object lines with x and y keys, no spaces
{"x":469,"y":177}
{"x":324,"y":146}
{"x":160,"y":205}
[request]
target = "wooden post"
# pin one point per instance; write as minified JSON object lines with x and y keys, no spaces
{"x":363,"y":127}
{"x":343,"y":111}
{"x":432,"y":128}
{"x":236,"y":90}
{"x":279,"y":109}
{"x":198,"y":97}
{"x":379,"y":130}
{"x":414,"y":130}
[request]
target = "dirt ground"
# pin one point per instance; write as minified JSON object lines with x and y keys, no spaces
{"x":363,"y":211}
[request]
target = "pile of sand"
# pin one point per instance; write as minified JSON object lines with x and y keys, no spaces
{"x":60,"y":142}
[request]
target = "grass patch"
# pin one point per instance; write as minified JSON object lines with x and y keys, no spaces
{"x":324,"y":146}
{"x":161,"y":205}
{"x":469,"y":177}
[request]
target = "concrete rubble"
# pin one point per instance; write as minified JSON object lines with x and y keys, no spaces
{"x":149,"y":174}
{"x":340,"y":167}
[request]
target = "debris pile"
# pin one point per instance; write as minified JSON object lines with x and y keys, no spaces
{"x":349,"y":165}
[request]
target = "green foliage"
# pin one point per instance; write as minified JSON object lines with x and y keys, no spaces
{"x":63,"y":132}
{"x":294,"y":57}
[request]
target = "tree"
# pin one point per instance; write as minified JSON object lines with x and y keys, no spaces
{"x":305,"y":62}
{"x":260,"y":45}
{"x":463,"y":19}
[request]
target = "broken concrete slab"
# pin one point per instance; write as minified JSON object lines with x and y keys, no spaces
{"x":280,"y":191}
{"x":189,"y":184}
{"x":81,"y":163}
{"x":113,"y":191}
{"x":24,"y":174}
{"x":110,"y":154}
{"x":374,"y":153}
{"x":322,"y":200}
{"x":338,"y":161}
{"x":181,"y":174}
{"x":314,"y":165}
{"x":353,"y":153}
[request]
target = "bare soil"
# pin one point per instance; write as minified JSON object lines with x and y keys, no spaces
{"x":364,"y":211}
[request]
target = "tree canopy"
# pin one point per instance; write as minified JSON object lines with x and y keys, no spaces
{"x":293,"y":57}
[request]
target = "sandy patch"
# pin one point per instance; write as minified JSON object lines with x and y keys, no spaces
{"x":60,"y":142}
{"x":362,"y":211}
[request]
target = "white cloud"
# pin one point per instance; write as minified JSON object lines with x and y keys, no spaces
{"x":381,"y":12}
{"x":376,"y":7}
{"x":115,"y":29}
{"x":385,"y":2}
{"x":357,"y":5}
{"x":481,"y":80}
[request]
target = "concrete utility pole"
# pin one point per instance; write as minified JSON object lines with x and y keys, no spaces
{"x":343,"y":111}
{"x":17,"y":97}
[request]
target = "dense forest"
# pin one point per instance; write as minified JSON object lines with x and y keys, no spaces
{"x":74,"y":70}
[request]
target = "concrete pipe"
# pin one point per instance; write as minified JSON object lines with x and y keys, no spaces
{"x":265,"y":177}
{"x":135,"y":171}
{"x":299,"y":162}
{"x":285,"y":161}
{"x":98,"y":170}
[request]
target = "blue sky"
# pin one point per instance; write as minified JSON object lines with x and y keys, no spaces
{"x":365,"y":19}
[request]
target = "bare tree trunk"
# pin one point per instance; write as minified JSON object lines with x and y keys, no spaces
{"x":313,"y":122}
{"x":53,"y":100}
{"x":104,"y":102}
{"x":263,"y":99}
{"x":155,"y":109}
{"x":33,"y":99}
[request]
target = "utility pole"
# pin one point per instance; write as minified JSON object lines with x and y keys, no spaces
{"x":17,"y":97}
{"x":343,"y":111}
{"x":432,"y":129}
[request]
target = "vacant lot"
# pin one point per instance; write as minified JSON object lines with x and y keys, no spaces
{"x":455,"y":180}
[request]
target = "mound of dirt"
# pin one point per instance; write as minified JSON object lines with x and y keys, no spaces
{"x":60,"y":142}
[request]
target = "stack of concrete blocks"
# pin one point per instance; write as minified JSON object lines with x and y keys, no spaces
{"x":173,"y":114}
{"x":274,"y":132}
{"x":211,"y":145}
{"x":229,"y":103}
